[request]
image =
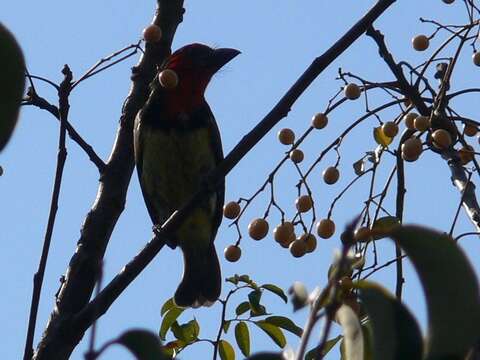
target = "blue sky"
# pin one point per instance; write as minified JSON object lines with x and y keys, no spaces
{"x":278,"y":40}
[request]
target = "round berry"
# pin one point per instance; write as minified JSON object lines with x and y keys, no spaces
{"x":420,"y":42}
{"x":448,"y":1}
{"x":258,"y":229}
{"x":362,"y":234}
{"x":352,"y":91}
{"x":296,"y":155}
{"x":470,"y":130}
{"x":287,"y":243}
{"x":303,"y":203}
{"x":152,"y":33}
{"x":319,"y":121}
{"x":282,"y":232}
{"x":168,"y":79}
{"x":411,"y":149}
{"x":310,"y":242}
{"x":325,"y":228}
{"x":232,"y":253}
{"x":331,"y":175}
{"x":298,"y":248}
{"x":466,"y":154}
{"x":286,"y":136}
{"x":409,"y":120}
{"x":231,"y":210}
{"x":441,"y":139}
{"x":476,"y":58}
{"x":421,"y":123}
{"x":346,"y":284}
{"x":390,"y":129}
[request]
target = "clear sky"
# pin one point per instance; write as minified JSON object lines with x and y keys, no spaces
{"x":278,"y":40}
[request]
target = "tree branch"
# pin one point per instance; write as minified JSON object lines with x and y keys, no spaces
{"x":59,"y":338}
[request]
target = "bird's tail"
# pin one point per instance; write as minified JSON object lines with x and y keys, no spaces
{"x":201,"y":282}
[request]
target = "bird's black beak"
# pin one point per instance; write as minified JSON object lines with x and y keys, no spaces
{"x":222,"y":56}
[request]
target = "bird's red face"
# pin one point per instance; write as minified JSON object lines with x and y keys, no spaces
{"x":195,"y":64}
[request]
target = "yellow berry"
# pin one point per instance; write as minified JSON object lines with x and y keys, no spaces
{"x":298,"y":248}
{"x":420,"y":42}
{"x":303,"y":203}
{"x":352,"y":91}
{"x":319,"y":121}
{"x":258,"y":229}
{"x":421,"y":123}
{"x":441,"y":139}
{"x":470,"y":130}
{"x":286,"y":136}
{"x":232,"y":253}
{"x":409,"y":120}
{"x":231,"y":210}
{"x":152,"y":33}
{"x":296,"y":155}
{"x":331,"y":175}
{"x":390,"y":129}
{"x":411,"y":149}
{"x":325,"y":228}
{"x":168,"y":79}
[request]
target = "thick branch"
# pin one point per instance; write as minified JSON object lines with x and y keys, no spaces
{"x":110,"y":293}
{"x":59,"y":339}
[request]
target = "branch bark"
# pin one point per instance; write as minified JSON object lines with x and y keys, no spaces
{"x":59,"y":339}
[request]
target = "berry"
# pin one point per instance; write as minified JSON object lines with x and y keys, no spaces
{"x":282,"y":232}
{"x":296,"y":155}
{"x":152,"y":33}
{"x":231,"y":210}
{"x":325,"y":228}
{"x":286,"y":136}
{"x":310,"y":242}
{"x":168,"y":79}
{"x":232,"y":253}
{"x":287,"y":243}
{"x":466,"y":154}
{"x":331,"y":175}
{"x":470,"y":130}
{"x":390,"y":129}
{"x":441,"y":139}
{"x":303,"y":203}
{"x":319,"y":121}
{"x":258,"y":229}
{"x":346,"y":284}
{"x":476,"y":58}
{"x":409,"y":120}
{"x":420,"y":42}
{"x":411,"y":149}
{"x":362,"y":234}
{"x":298,"y":248}
{"x":421,"y":123}
{"x":352,"y":91}
{"x":448,"y":1}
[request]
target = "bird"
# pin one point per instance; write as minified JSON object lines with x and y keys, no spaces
{"x":176,"y":144}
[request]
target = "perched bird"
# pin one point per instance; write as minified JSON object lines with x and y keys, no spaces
{"x":177,"y":142}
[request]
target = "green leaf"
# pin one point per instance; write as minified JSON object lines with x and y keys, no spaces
{"x":395,"y":332}
{"x":12,"y":80}
{"x":245,"y":279}
{"x":226,"y":326}
{"x":451,"y":290}
{"x":186,"y":332}
{"x":242,"y":308}
{"x":167,"y":306}
{"x":242,"y":336}
{"x":273,"y":331}
{"x":285,"y":323}
{"x":254,"y":299}
{"x":276,"y":290}
{"x":310,"y":355}
{"x":143,"y":344}
{"x":266,"y":356}
{"x":169,"y":318}
{"x":352,"y":333}
{"x":225,"y":350}
{"x":380,"y":137}
{"x":384,"y":226}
